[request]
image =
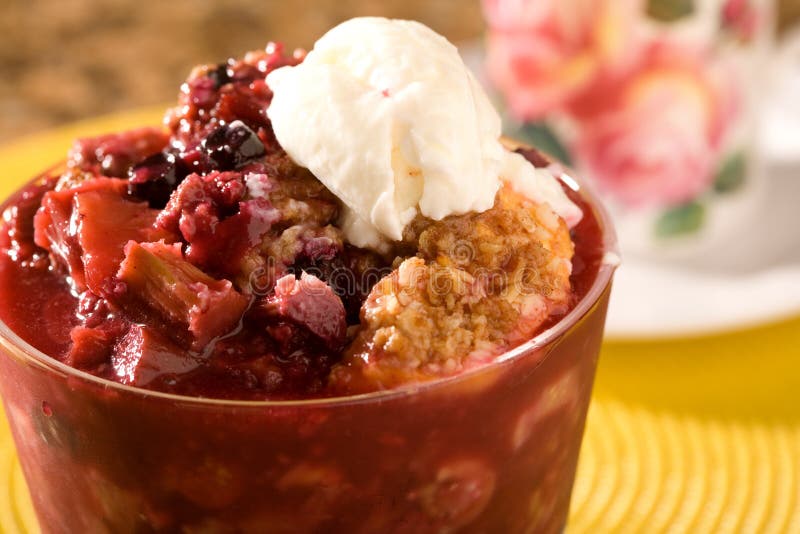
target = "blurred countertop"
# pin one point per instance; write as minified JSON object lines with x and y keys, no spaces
{"x":63,"y":60}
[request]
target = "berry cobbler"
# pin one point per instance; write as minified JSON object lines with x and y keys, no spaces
{"x":203,"y":260}
{"x":336,"y":299}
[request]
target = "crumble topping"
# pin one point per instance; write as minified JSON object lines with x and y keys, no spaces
{"x":479,"y":284}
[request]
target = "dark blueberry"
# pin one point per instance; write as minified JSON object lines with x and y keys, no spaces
{"x":233,"y":145}
{"x":219,"y":75}
{"x":155,"y":178}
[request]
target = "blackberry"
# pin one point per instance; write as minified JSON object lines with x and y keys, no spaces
{"x":219,"y":75}
{"x":155,"y":178}
{"x":233,"y":145}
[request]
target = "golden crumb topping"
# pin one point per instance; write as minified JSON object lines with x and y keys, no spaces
{"x":479,"y":284}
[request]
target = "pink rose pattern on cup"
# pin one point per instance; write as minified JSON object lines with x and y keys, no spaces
{"x":543,"y":54}
{"x":656,"y":134}
{"x":741,"y":19}
{"x":622,"y":91}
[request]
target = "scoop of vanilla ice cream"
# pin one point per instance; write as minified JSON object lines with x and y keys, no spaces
{"x":387,"y":116}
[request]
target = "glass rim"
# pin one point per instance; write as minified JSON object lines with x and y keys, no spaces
{"x":10,"y":340}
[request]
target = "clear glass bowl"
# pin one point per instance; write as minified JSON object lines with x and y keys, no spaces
{"x":492,"y":450}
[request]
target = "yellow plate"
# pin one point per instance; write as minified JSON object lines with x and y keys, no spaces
{"x":697,"y":435}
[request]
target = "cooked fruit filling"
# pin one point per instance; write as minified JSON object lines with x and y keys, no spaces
{"x":202,"y":259}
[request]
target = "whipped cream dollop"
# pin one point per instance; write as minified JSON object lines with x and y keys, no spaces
{"x":539,"y":185}
{"x":387,"y":116}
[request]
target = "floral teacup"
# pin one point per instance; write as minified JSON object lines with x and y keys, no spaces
{"x":655,"y":100}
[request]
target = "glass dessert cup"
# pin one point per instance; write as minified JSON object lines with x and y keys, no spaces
{"x":491,"y":450}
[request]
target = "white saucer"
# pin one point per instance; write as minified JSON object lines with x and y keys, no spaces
{"x":650,"y":302}
{"x":761,"y":285}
